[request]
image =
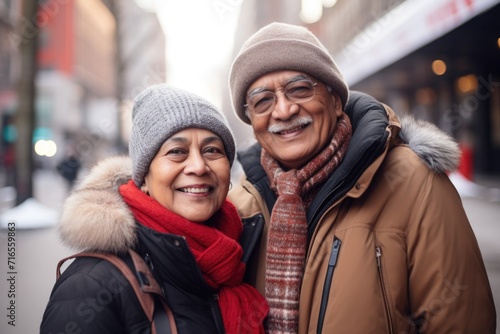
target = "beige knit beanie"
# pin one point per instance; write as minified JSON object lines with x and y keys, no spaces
{"x":281,"y":46}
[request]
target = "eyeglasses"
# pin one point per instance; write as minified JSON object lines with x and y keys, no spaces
{"x":263,"y":102}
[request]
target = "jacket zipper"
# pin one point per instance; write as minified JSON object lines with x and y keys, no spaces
{"x":378,"y":254}
{"x":216,"y":313}
{"x":328,"y":282}
{"x":313,"y":220}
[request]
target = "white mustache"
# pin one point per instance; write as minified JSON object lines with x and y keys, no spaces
{"x":295,"y":123}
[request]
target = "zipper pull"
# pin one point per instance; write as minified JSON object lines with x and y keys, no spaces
{"x":149,"y":262}
{"x":335,"y":253}
{"x":378,"y":253}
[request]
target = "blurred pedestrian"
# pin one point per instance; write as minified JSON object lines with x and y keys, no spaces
{"x":170,"y":206}
{"x":364,"y":231}
{"x":69,"y":167}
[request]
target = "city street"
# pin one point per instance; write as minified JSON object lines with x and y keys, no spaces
{"x":76,"y":78}
{"x":38,"y":251}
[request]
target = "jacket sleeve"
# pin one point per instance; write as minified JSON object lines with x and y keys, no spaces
{"x":448,"y":286}
{"x":92,"y":296}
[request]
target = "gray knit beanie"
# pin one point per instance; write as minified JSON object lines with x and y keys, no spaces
{"x":161,"y":111}
{"x":281,"y":46}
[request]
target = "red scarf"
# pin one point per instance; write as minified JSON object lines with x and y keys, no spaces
{"x":217,"y":252}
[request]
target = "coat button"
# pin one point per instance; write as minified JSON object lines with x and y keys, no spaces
{"x":177,"y":243}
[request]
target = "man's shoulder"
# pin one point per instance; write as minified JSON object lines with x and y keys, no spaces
{"x":404,"y":175}
{"x":249,"y":159}
{"x":246,"y":199}
{"x":403,"y":159}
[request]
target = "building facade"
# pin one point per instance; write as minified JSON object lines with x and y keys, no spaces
{"x":9,"y":72}
{"x":434,"y":59}
{"x":91,"y":62}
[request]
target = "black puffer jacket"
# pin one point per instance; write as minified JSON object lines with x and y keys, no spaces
{"x":92,"y":296}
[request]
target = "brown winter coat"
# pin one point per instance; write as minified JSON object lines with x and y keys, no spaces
{"x":400,"y":251}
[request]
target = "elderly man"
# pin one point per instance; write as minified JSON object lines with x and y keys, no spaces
{"x":363,"y":231}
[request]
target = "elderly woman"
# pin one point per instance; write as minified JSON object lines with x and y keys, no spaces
{"x":173,"y":212}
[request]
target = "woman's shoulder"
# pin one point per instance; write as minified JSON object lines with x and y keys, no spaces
{"x":93,"y":269}
{"x":92,"y":294}
{"x":94,"y":278}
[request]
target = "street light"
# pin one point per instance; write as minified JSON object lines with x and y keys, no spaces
{"x":311,"y":10}
{"x":47,"y":148}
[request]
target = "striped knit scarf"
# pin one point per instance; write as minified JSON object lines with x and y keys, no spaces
{"x":217,"y":253}
{"x":287,"y":239}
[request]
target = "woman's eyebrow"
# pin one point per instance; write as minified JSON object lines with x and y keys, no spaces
{"x":176,"y":140}
{"x":211,"y":139}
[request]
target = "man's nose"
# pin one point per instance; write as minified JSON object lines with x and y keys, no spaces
{"x":284,"y":108}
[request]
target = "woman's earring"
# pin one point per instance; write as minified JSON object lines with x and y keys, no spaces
{"x":230,"y":185}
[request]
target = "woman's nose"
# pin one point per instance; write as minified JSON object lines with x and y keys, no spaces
{"x":196,"y":164}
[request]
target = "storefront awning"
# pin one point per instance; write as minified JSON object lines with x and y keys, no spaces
{"x":403,"y":30}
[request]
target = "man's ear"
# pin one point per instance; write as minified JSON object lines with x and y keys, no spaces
{"x":337,"y":104}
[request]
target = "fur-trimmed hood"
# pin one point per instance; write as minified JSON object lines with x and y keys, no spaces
{"x":439,"y":151}
{"x":95,"y":217}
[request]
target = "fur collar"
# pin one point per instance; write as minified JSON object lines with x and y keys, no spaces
{"x":437,"y":149}
{"x":95,"y":217}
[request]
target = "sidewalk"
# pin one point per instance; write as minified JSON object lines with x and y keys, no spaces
{"x":42,"y":210}
{"x":482,"y":187}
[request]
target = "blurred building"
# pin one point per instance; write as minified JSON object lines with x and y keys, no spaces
{"x":9,"y":15}
{"x":9,"y":60}
{"x":75,"y":105}
{"x":435,"y":59}
{"x":142,"y":56}
{"x":94,"y":56}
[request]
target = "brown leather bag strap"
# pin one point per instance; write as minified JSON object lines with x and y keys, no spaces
{"x":166,"y":320}
{"x":150,"y":285}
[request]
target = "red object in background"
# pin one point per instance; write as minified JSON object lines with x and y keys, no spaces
{"x":57,"y":43}
{"x":9,"y":158}
{"x":466,"y":166}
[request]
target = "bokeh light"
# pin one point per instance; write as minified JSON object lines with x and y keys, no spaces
{"x":439,"y":67}
{"x":47,"y":148}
